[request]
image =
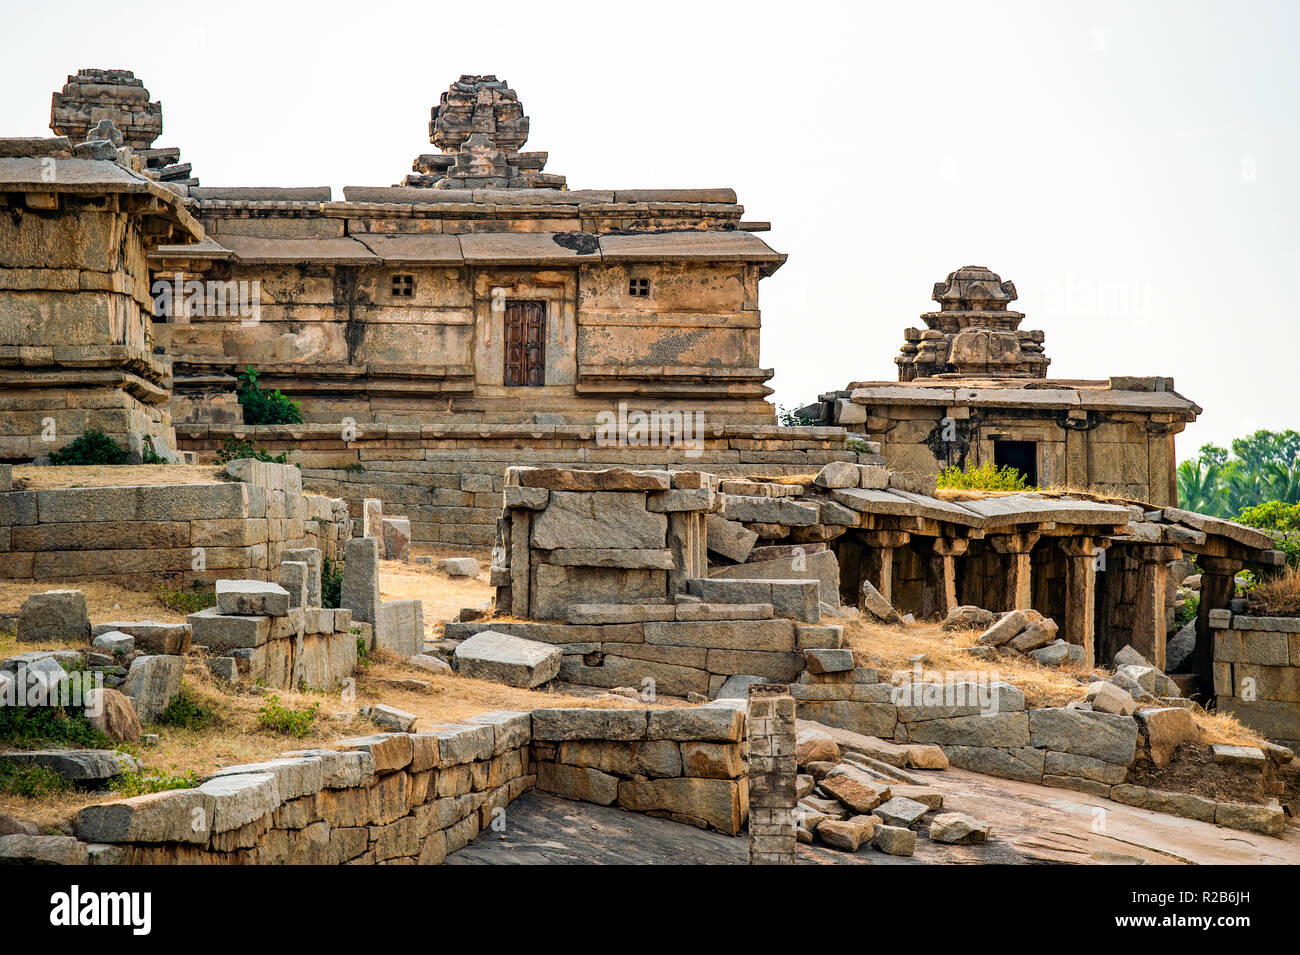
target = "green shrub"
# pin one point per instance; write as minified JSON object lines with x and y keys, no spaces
{"x":92,"y":447}
{"x":235,"y":450}
{"x":363,"y":652}
{"x":185,"y":712}
{"x":33,"y":782}
{"x":265,"y":407}
{"x":1280,"y":519}
{"x":331,"y":584}
{"x":791,"y":418}
{"x":1191,"y":604}
{"x":986,"y":477}
{"x":148,"y":455}
{"x":31,"y":727}
{"x":278,"y":718}
{"x":152,"y":781}
{"x":185,"y":601}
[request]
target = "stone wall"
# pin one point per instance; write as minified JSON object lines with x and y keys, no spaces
{"x":449,"y":478}
{"x":1257,"y":672}
{"x":413,"y":798}
{"x":178,"y":533}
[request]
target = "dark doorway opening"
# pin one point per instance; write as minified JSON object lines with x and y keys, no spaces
{"x":1021,"y":455}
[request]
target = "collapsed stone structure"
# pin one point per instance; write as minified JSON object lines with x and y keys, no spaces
{"x":973,"y":389}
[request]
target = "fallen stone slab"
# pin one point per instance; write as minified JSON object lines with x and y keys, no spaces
{"x":1005,"y":628}
{"x":151,"y":636}
{"x":1035,"y":635}
{"x":878,"y":606}
{"x":1052,"y":655}
{"x":252,"y":598}
{"x":430,"y":663}
{"x":459,"y":566}
{"x":84,"y":767}
{"x":391,"y":718}
{"x":901,"y":811}
{"x":152,"y":683}
{"x":1165,"y":728}
{"x":53,"y":616}
{"x":958,"y":829}
{"x":397,"y":538}
{"x":894,"y":840}
{"x":845,"y":835}
{"x":829,"y":661}
{"x":501,"y":658}
{"x":115,"y":642}
{"x":854,"y":788}
{"x":1238,"y":755}
{"x":1269,"y":820}
{"x":24,"y":849}
{"x":1106,"y":697}
{"x":814,"y":745}
{"x":967,"y":617}
{"x":736,"y":687}
{"x":928,"y":796}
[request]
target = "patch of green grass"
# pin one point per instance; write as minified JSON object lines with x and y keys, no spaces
{"x":278,"y":718}
{"x":32,"y":782}
{"x":153,"y":781}
{"x":188,"y":600}
{"x":986,"y":477}
{"x":235,"y":450}
{"x":31,"y":727}
{"x":185,"y":712}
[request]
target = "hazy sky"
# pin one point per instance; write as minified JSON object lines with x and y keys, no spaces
{"x":1131,"y":167}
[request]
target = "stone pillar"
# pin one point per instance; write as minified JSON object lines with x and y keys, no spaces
{"x":944,"y":557}
{"x":1080,"y":624}
{"x":772,"y":773}
{"x":360,"y":590}
{"x":1150,"y":627}
{"x":687,"y":542}
{"x":1218,"y":585}
{"x":878,"y":561}
{"x":1018,"y":594}
{"x":311,"y":556}
{"x":521,"y":522}
{"x":372,"y":521}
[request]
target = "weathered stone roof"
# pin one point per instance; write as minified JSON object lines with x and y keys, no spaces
{"x":1023,"y":393}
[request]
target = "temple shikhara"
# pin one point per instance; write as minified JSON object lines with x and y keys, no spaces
{"x":486,"y":362}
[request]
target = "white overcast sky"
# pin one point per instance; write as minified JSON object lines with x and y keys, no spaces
{"x":1131,"y":167}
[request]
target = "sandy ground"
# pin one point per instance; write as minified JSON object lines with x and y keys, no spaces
{"x":443,"y":596}
{"x":33,"y":478}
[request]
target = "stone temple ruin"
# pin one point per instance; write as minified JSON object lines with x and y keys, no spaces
{"x":570,"y":379}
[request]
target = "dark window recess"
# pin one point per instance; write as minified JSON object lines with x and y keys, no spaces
{"x":1021,"y":455}
{"x":403,"y":286}
{"x":638,"y":288}
{"x":525,"y":341}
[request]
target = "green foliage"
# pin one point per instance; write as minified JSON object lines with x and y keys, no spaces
{"x":857,"y":444}
{"x":153,"y":781}
{"x":235,"y":450}
{"x":91,"y":447}
{"x":33,"y":782}
{"x":1280,"y":519}
{"x":148,"y":455}
{"x":185,"y":601}
{"x":31,"y":727}
{"x":278,"y":718}
{"x":331,"y":584}
{"x":791,"y":418}
{"x":1191,"y":604}
{"x":987,"y":477}
{"x":1261,"y":467}
{"x":265,"y":407}
{"x":363,"y":652}
{"x":185,"y":712}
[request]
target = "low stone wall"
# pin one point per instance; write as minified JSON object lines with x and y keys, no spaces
{"x":685,"y":764}
{"x":413,"y":798}
{"x":448,"y":478}
{"x":1257,"y":672}
{"x":308,"y":646}
{"x":181,"y":533}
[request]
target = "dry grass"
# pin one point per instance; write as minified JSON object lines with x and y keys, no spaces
{"x":107,"y":601}
{"x":443,"y":596}
{"x":35,"y":478}
{"x":1280,"y":594}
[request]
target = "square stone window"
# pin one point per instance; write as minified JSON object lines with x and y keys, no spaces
{"x":403,"y":286}
{"x":638,"y":288}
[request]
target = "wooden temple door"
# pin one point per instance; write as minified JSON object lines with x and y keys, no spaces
{"x":525,"y":343}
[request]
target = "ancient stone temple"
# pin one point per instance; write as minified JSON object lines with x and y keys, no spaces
{"x":973,"y":388}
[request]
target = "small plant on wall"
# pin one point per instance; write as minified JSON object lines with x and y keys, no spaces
{"x":986,"y":477}
{"x":265,"y":407}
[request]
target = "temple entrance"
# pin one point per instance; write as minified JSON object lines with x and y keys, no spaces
{"x":525,"y":344}
{"x":1021,"y":455}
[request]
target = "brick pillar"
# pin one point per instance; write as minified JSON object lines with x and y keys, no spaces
{"x":1218,"y":585}
{"x":772,"y":771}
{"x":1018,"y":594}
{"x":1150,"y":625}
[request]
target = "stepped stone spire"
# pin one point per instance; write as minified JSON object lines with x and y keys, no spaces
{"x":480,"y":126}
{"x":973,"y":333}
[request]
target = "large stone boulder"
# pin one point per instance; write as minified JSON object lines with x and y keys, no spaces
{"x":112,"y":714}
{"x":252,"y":598}
{"x":878,"y":606}
{"x":1165,"y":728}
{"x":959,"y":829}
{"x":55,"y":615}
{"x":814,"y":746}
{"x":967,"y":617}
{"x":153,"y":682}
{"x":502,"y":658}
{"x":459,"y":566}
